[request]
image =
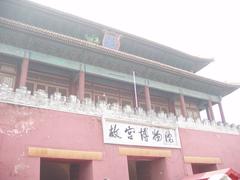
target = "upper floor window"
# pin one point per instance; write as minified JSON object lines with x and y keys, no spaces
{"x":47,"y":82}
{"x":8,"y":74}
{"x":50,"y":89}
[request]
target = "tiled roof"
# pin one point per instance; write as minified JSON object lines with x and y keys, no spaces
{"x":197,"y":63}
{"x":111,"y":52}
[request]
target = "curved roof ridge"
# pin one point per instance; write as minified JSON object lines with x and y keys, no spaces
{"x":125,"y":56}
{"x":77,"y":19}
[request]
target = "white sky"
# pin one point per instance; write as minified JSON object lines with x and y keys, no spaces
{"x":205,"y":28}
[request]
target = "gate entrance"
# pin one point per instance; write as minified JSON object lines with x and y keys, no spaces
{"x":201,"y":168}
{"x":146,"y":169}
{"x":65,"y":170}
{"x":139,"y":170}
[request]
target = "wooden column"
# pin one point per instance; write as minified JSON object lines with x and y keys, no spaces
{"x":147,"y":98}
{"x":135,"y":93}
{"x":183,"y":106}
{"x":171,"y":106}
{"x":208,"y":114}
{"x":81,"y":85}
{"x":221,"y":112}
{"x":210,"y":110}
{"x":24,"y":71}
{"x":73,"y":87}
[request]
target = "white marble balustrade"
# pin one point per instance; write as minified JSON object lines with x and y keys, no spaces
{"x":72,"y":104}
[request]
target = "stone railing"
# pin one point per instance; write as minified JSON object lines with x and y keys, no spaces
{"x":207,"y":125}
{"x":127,"y":114}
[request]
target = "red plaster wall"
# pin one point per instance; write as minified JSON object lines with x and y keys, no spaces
{"x":49,"y":129}
{"x":53,"y":129}
{"x":202,"y":143}
{"x":158,"y":169}
{"x":175,"y":168}
{"x":114,"y":166}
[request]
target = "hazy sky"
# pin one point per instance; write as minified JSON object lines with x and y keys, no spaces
{"x":204,"y":28}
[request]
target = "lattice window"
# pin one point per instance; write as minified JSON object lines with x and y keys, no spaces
{"x":51,"y":83}
{"x":8,"y":74}
{"x":8,"y":68}
{"x":88,"y":95}
{"x":125,"y":102}
{"x":50,"y":89}
{"x":178,"y":111}
{"x":7,"y":79}
{"x":99,"y":97}
{"x":156,"y":108}
{"x":112,"y":100}
{"x":143,"y":106}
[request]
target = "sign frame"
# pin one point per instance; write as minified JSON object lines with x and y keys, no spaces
{"x":110,"y":124}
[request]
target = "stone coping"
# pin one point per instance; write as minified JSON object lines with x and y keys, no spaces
{"x":72,"y":104}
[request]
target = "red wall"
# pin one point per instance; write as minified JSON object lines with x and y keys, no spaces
{"x":202,"y":143}
{"x":53,"y":129}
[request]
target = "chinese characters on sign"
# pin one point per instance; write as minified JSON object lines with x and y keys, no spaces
{"x":111,"y":40}
{"x":132,"y":134}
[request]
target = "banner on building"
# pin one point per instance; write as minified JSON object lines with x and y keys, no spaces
{"x":139,"y":135}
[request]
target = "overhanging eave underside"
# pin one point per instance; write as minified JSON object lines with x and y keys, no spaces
{"x":54,"y":49}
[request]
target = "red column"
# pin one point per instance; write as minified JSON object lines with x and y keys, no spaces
{"x":73,"y":87}
{"x":183,"y":106}
{"x":210,"y":110}
{"x":171,"y":106}
{"x":147,"y":98}
{"x":81,"y":85}
{"x":208,"y":114}
{"x":221,"y":112}
{"x":24,"y":72}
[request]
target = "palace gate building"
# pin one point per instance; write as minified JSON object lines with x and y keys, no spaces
{"x":83,"y":101}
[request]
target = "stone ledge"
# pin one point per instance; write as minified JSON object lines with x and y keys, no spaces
{"x":72,"y":104}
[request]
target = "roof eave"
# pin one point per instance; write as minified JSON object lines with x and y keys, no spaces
{"x":202,"y":62}
{"x":129,"y":57}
